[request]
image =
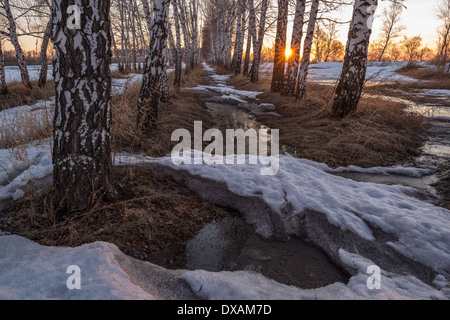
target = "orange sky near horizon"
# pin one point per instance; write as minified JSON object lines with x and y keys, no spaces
{"x":419,"y":19}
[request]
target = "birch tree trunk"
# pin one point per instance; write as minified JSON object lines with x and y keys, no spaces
{"x":15,"y":42}
{"x":116,"y":52}
{"x":294,"y":59}
{"x":186,"y":35}
{"x":280,"y":47}
{"x":229,"y":27}
{"x":133,"y":33}
{"x":123,"y":40}
{"x":240,"y":34}
{"x":179,"y":57}
{"x":306,"y":59}
{"x":82,"y":151}
{"x":246,"y":68}
{"x":3,"y":87}
{"x":148,"y":17}
{"x":349,"y":89}
{"x":257,"y":50}
{"x":153,"y":78}
{"x":194,"y":20}
{"x":44,"y":62}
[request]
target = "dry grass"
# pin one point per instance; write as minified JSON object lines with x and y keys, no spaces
{"x":26,"y":127}
{"x":379,"y":134}
{"x":181,"y":111}
{"x":153,"y":212}
{"x":19,"y":95}
{"x":435,"y":78}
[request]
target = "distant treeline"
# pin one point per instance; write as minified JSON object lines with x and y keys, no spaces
{"x":31,"y":58}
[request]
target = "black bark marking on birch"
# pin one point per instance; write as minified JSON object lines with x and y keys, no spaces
{"x":280,"y":47}
{"x":351,"y":83}
{"x":82,"y":141}
{"x":154,"y":70}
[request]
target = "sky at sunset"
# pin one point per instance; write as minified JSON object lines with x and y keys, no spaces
{"x":419,"y":19}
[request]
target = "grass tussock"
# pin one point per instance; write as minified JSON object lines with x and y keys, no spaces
{"x":433,"y":78}
{"x":381,"y":133}
{"x":19,"y":95}
{"x":153,"y":212}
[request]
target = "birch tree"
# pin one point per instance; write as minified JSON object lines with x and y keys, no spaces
{"x":246,"y":67}
{"x":443,"y":14}
{"x":15,"y":42}
{"x":3,"y":87}
{"x":304,"y":66}
{"x":259,"y":42}
{"x":252,"y":38}
{"x":294,"y":59}
{"x":154,"y":70}
{"x":349,"y":89}
{"x":43,"y":58}
{"x":177,"y":47}
{"x":82,"y":140}
{"x":391,"y":27}
{"x":280,"y":47}
{"x":240,"y":34}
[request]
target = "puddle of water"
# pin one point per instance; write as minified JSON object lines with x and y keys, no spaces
{"x":232,"y":117}
{"x":231,"y":244}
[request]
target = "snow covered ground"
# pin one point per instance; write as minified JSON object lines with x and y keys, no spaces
{"x":13,"y":72}
{"x":417,"y":230}
{"x":329,"y":72}
{"x":358,"y":224}
{"x":31,"y":271}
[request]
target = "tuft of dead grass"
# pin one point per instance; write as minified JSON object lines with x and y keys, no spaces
{"x":433,"y":78}
{"x":381,"y":133}
{"x":19,"y":95}
{"x":152,"y":212}
{"x":26,"y":127}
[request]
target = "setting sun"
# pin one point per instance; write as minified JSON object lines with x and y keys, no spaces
{"x":288,"y":52}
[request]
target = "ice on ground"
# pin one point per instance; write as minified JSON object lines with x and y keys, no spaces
{"x":399,"y":170}
{"x":20,"y":166}
{"x":244,"y":285}
{"x":32,"y":271}
{"x":422,"y":230}
{"x":221,"y":87}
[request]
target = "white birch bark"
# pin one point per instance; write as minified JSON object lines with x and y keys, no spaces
{"x":280,"y":47}
{"x":306,"y":59}
{"x":240,"y":34}
{"x":43,"y":57}
{"x":294,"y":60}
{"x":82,"y":141}
{"x":186,"y":35}
{"x":179,"y":57}
{"x":257,"y":50}
{"x":3,"y":87}
{"x":148,"y":17}
{"x":349,"y":89}
{"x":15,"y":42}
{"x":155,"y":69}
